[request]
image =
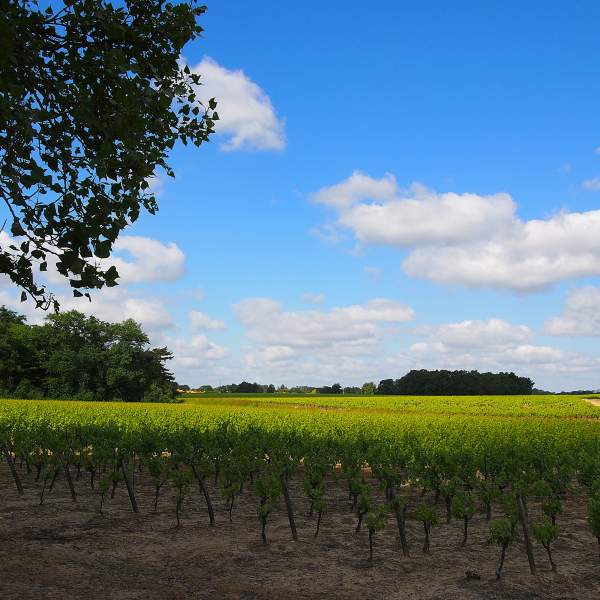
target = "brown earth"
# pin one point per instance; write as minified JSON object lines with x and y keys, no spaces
{"x":62,"y":550}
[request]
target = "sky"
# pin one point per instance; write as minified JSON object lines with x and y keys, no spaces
{"x":392,"y":185}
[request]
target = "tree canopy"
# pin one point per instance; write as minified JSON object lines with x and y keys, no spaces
{"x":92,"y":99}
{"x":455,"y":383}
{"x":74,"y":356}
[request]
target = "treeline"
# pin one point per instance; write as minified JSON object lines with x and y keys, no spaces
{"x":74,"y":356}
{"x":257,"y":388}
{"x":455,"y":383}
{"x":415,"y":383}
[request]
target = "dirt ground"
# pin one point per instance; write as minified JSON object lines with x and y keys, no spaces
{"x":62,"y":550}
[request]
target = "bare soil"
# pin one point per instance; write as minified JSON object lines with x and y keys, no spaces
{"x":63,"y":550}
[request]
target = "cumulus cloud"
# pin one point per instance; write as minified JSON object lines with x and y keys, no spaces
{"x":378,"y":309}
{"x":271,"y":354}
{"x":352,"y":327}
{"x":355,"y":188}
{"x":581,"y":315}
{"x":138,"y":259}
{"x":246,"y":115}
{"x":109,"y":304}
{"x":201,"y":321}
{"x":494,"y":333}
{"x":195,"y":351}
{"x":493,"y":345}
{"x":144,"y":260}
{"x":467,"y":239}
{"x":316,"y":346}
{"x":486,"y":345}
{"x":429,"y":218}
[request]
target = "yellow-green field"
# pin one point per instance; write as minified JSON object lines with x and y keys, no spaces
{"x":530,"y":405}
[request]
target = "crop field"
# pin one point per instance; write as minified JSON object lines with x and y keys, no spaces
{"x":273,"y":496}
{"x":517,"y":406}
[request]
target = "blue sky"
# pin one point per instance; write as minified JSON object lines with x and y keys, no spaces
{"x":393,"y":185}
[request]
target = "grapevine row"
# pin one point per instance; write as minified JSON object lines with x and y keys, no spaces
{"x":463,"y":461}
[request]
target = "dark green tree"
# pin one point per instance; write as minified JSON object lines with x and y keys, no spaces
{"x":92,"y":100}
{"x":386,"y":386}
{"x":18,"y":353}
{"x":74,"y":356}
{"x":455,"y":383}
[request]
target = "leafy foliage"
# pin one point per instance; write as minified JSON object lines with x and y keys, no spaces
{"x":513,"y":459}
{"x":502,"y":533}
{"x":463,"y":507}
{"x":92,"y":100}
{"x":546,"y":533}
{"x":429,"y":516}
{"x":74,"y":356}
{"x":455,"y":383}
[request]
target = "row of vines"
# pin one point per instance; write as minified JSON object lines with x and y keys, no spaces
{"x":466,"y":463}
{"x":556,"y":405}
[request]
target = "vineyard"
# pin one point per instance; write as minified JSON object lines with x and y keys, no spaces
{"x":499,"y":406}
{"x":516,"y":479}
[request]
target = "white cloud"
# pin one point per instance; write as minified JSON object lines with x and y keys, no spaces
{"x":109,"y":304}
{"x":355,"y":188}
{"x":138,"y":259}
{"x":313,"y":298}
{"x":246,"y":114}
{"x":316,"y":346}
{"x":196,"y":351}
{"x":493,"y":345}
{"x":429,"y":218}
{"x":591,"y":184}
{"x":201,"y":321}
{"x":350,"y":329}
{"x":152,"y":261}
{"x":271,"y":354}
{"x":469,"y":239}
{"x":493,"y":333}
{"x":378,"y":309}
{"x":581,"y":315}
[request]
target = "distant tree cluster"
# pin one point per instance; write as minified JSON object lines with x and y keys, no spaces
{"x":455,"y":383}
{"x":415,"y":383}
{"x":234,"y":388}
{"x":336,"y":388}
{"x":74,"y":356}
{"x":256,"y":388}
